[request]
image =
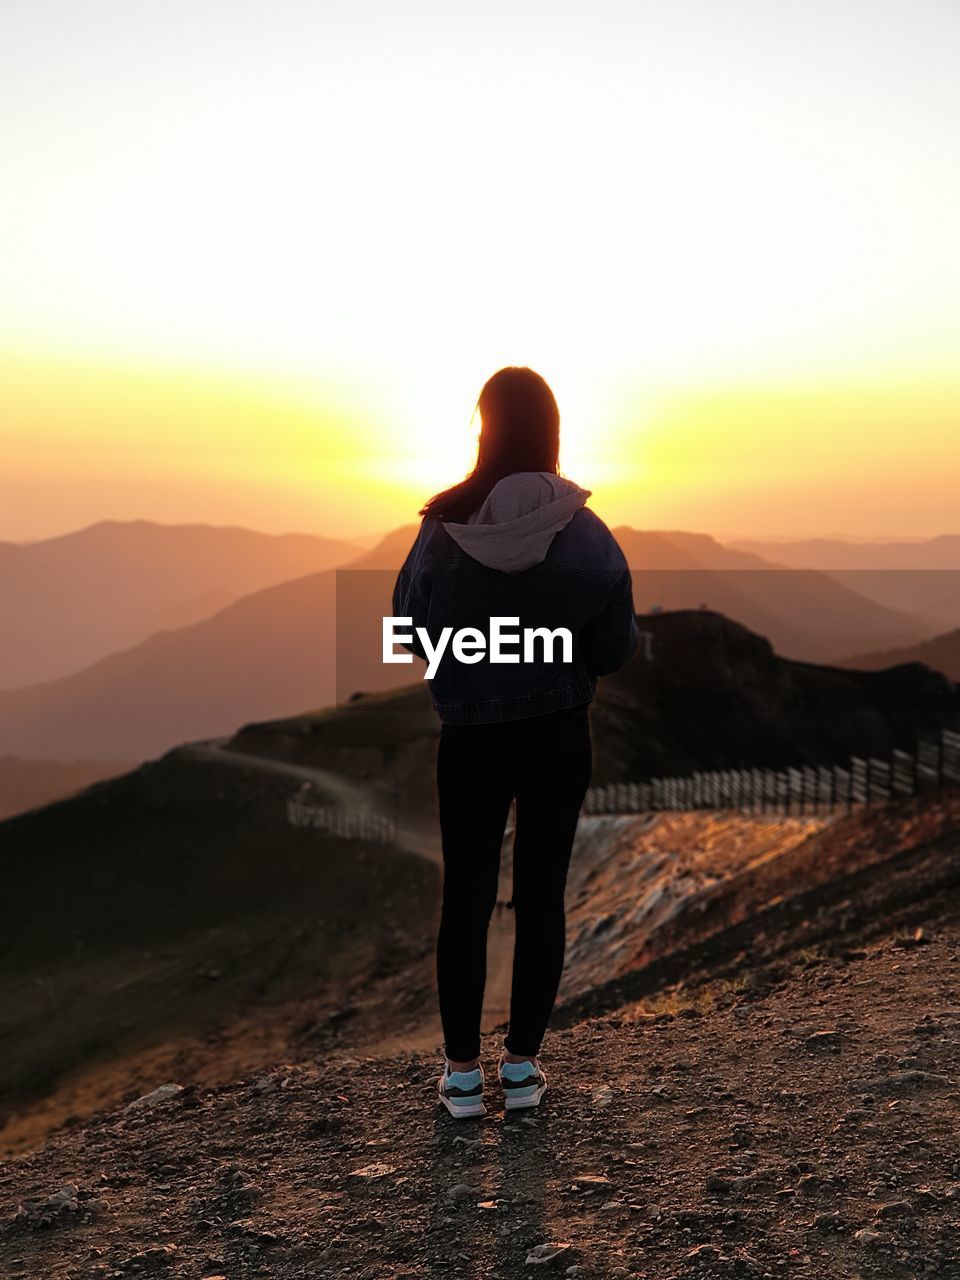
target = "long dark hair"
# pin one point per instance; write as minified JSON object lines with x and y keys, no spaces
{"x":519,"y":431}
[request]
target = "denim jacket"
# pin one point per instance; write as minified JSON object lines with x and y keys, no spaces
{"x":581,"y":583}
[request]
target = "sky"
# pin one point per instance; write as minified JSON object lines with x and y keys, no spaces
{"x":256,"y":261}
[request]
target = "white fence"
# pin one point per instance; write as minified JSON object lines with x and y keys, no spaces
{"x":804,"y":789}
{"x":305,"y":810}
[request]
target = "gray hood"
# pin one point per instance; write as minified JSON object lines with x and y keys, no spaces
{"x":522,"y":514}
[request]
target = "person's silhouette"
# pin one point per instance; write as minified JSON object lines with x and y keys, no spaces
{"x":516,"y":541}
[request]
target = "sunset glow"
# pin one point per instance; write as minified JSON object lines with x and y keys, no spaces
{"x":258,"y":263}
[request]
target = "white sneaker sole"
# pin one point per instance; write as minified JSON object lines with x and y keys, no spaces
{"x":531,"y":1099}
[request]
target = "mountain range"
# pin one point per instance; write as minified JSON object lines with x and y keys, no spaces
{"x":921,"y":577}
{"x":68,"y":601}
{"x":280,"y":647}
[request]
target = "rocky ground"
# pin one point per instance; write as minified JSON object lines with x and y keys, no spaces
{"x":799,"y":1119}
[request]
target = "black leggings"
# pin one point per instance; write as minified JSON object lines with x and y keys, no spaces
{"x":544,"y":762}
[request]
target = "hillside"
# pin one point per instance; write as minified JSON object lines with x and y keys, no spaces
{"x":174,"y":916}
{"x":778,"y":1104}
{"x":713,"y":694}
{"x":70,"y":600}
{"x":177,"y":903}
{"x":942,"y":653}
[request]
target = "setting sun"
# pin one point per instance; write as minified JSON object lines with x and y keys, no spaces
{"x":345,"y":227}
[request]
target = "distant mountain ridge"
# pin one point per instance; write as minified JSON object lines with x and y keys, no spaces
{"x":271,"y":651}
{"x":69,"y":600}
{"x":941,"y":652}
{"x":940,"y":552}
{"x":921,"y":578}
{"x":805,"y":613}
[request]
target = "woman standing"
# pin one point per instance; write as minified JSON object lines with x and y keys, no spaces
{"x":514,"y":541}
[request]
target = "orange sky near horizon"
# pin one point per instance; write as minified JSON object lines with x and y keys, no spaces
{"x":791,"y":461}
{"x":257,"y":266}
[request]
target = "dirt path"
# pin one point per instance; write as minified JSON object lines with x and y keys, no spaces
{"x":332,"y":785}
{"x":412,"y":836}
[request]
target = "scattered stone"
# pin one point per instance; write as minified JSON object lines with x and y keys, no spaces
{"x":856,"y":1116}
{"x":916,"y":939}
{"x":460,"y":1190}
{"x":745,"y":1159}
{"x":590,"y":1182}
{"x":55,"y":1209}
{"x":829,"y":1221}
{"x":895,"y":1209}
{"x":376,"y":1170}
{"x":821,"y":1040}
{"x":869,"y":1238}
{"x":266,"y":1084}
{"x":65,"y":1200}
{"x":161,"y":1255}
{"x":928,"y":1029}
{"x":718,"y":1184}
{"x":161,"y":1094}
{"x":703,"y":1253}
{"x":542,"y":1253}
{"x":901,"y":1082}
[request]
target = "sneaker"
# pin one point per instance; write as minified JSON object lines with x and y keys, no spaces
{"x":461,"y":1092}
{"x":523,"y":1083}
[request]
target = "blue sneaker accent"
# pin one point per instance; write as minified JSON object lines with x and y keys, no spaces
{"x":461,"y":1092}
{"x":523,"y":1083}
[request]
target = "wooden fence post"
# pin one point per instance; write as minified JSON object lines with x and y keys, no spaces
{"x":950,"y":755}
{"x":903,"y":772}
{"x":930,"y":762}
{"x":878,"y":779}
{"x":841,"y":788}
{"x":825,"y":788}
{"x":859,"y":781}
{"x":810,"y":788}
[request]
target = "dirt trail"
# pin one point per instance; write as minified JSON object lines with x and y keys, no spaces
{"x":414,"y":836}
{"x":332,"y":785}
